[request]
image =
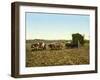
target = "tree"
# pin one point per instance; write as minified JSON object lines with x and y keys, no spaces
{"x":77,"y":38}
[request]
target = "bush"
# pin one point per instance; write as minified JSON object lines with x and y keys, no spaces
{"x":77,"y":38}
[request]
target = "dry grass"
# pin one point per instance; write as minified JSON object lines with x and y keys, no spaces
{"x":48,"y":57}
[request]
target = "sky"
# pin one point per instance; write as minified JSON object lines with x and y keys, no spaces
{"x":53,"y":26}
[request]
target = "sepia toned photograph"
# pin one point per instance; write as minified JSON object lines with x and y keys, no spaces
{"x":57,"y":39}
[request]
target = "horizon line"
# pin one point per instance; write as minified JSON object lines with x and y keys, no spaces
{"x":52,"y":39}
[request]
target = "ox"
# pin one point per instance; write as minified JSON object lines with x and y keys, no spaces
{"x":55,"y":46}
{"x":38,"y":46}
{"x":70,"y":45}
{"x":42,"y":45}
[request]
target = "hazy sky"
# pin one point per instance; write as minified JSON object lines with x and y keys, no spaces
{"x":55,"y":26}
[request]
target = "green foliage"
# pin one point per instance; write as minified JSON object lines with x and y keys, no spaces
{"x":77,"y":38}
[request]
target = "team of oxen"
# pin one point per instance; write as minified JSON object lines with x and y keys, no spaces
{"x":76,"y":42}
{"x":51,"y":46}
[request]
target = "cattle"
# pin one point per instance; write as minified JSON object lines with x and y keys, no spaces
{"x":35,"y":46}
{"x":38,"y":46}
{"x":55,"y":46}
{"x":71,"y":45}
{"x":42,"y":45}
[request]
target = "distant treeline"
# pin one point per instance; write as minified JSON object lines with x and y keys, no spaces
{"x":77,"y":38}
{"x":44,"y":40}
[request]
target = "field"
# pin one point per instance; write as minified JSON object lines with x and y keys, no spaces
{"x":72,"y":56}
